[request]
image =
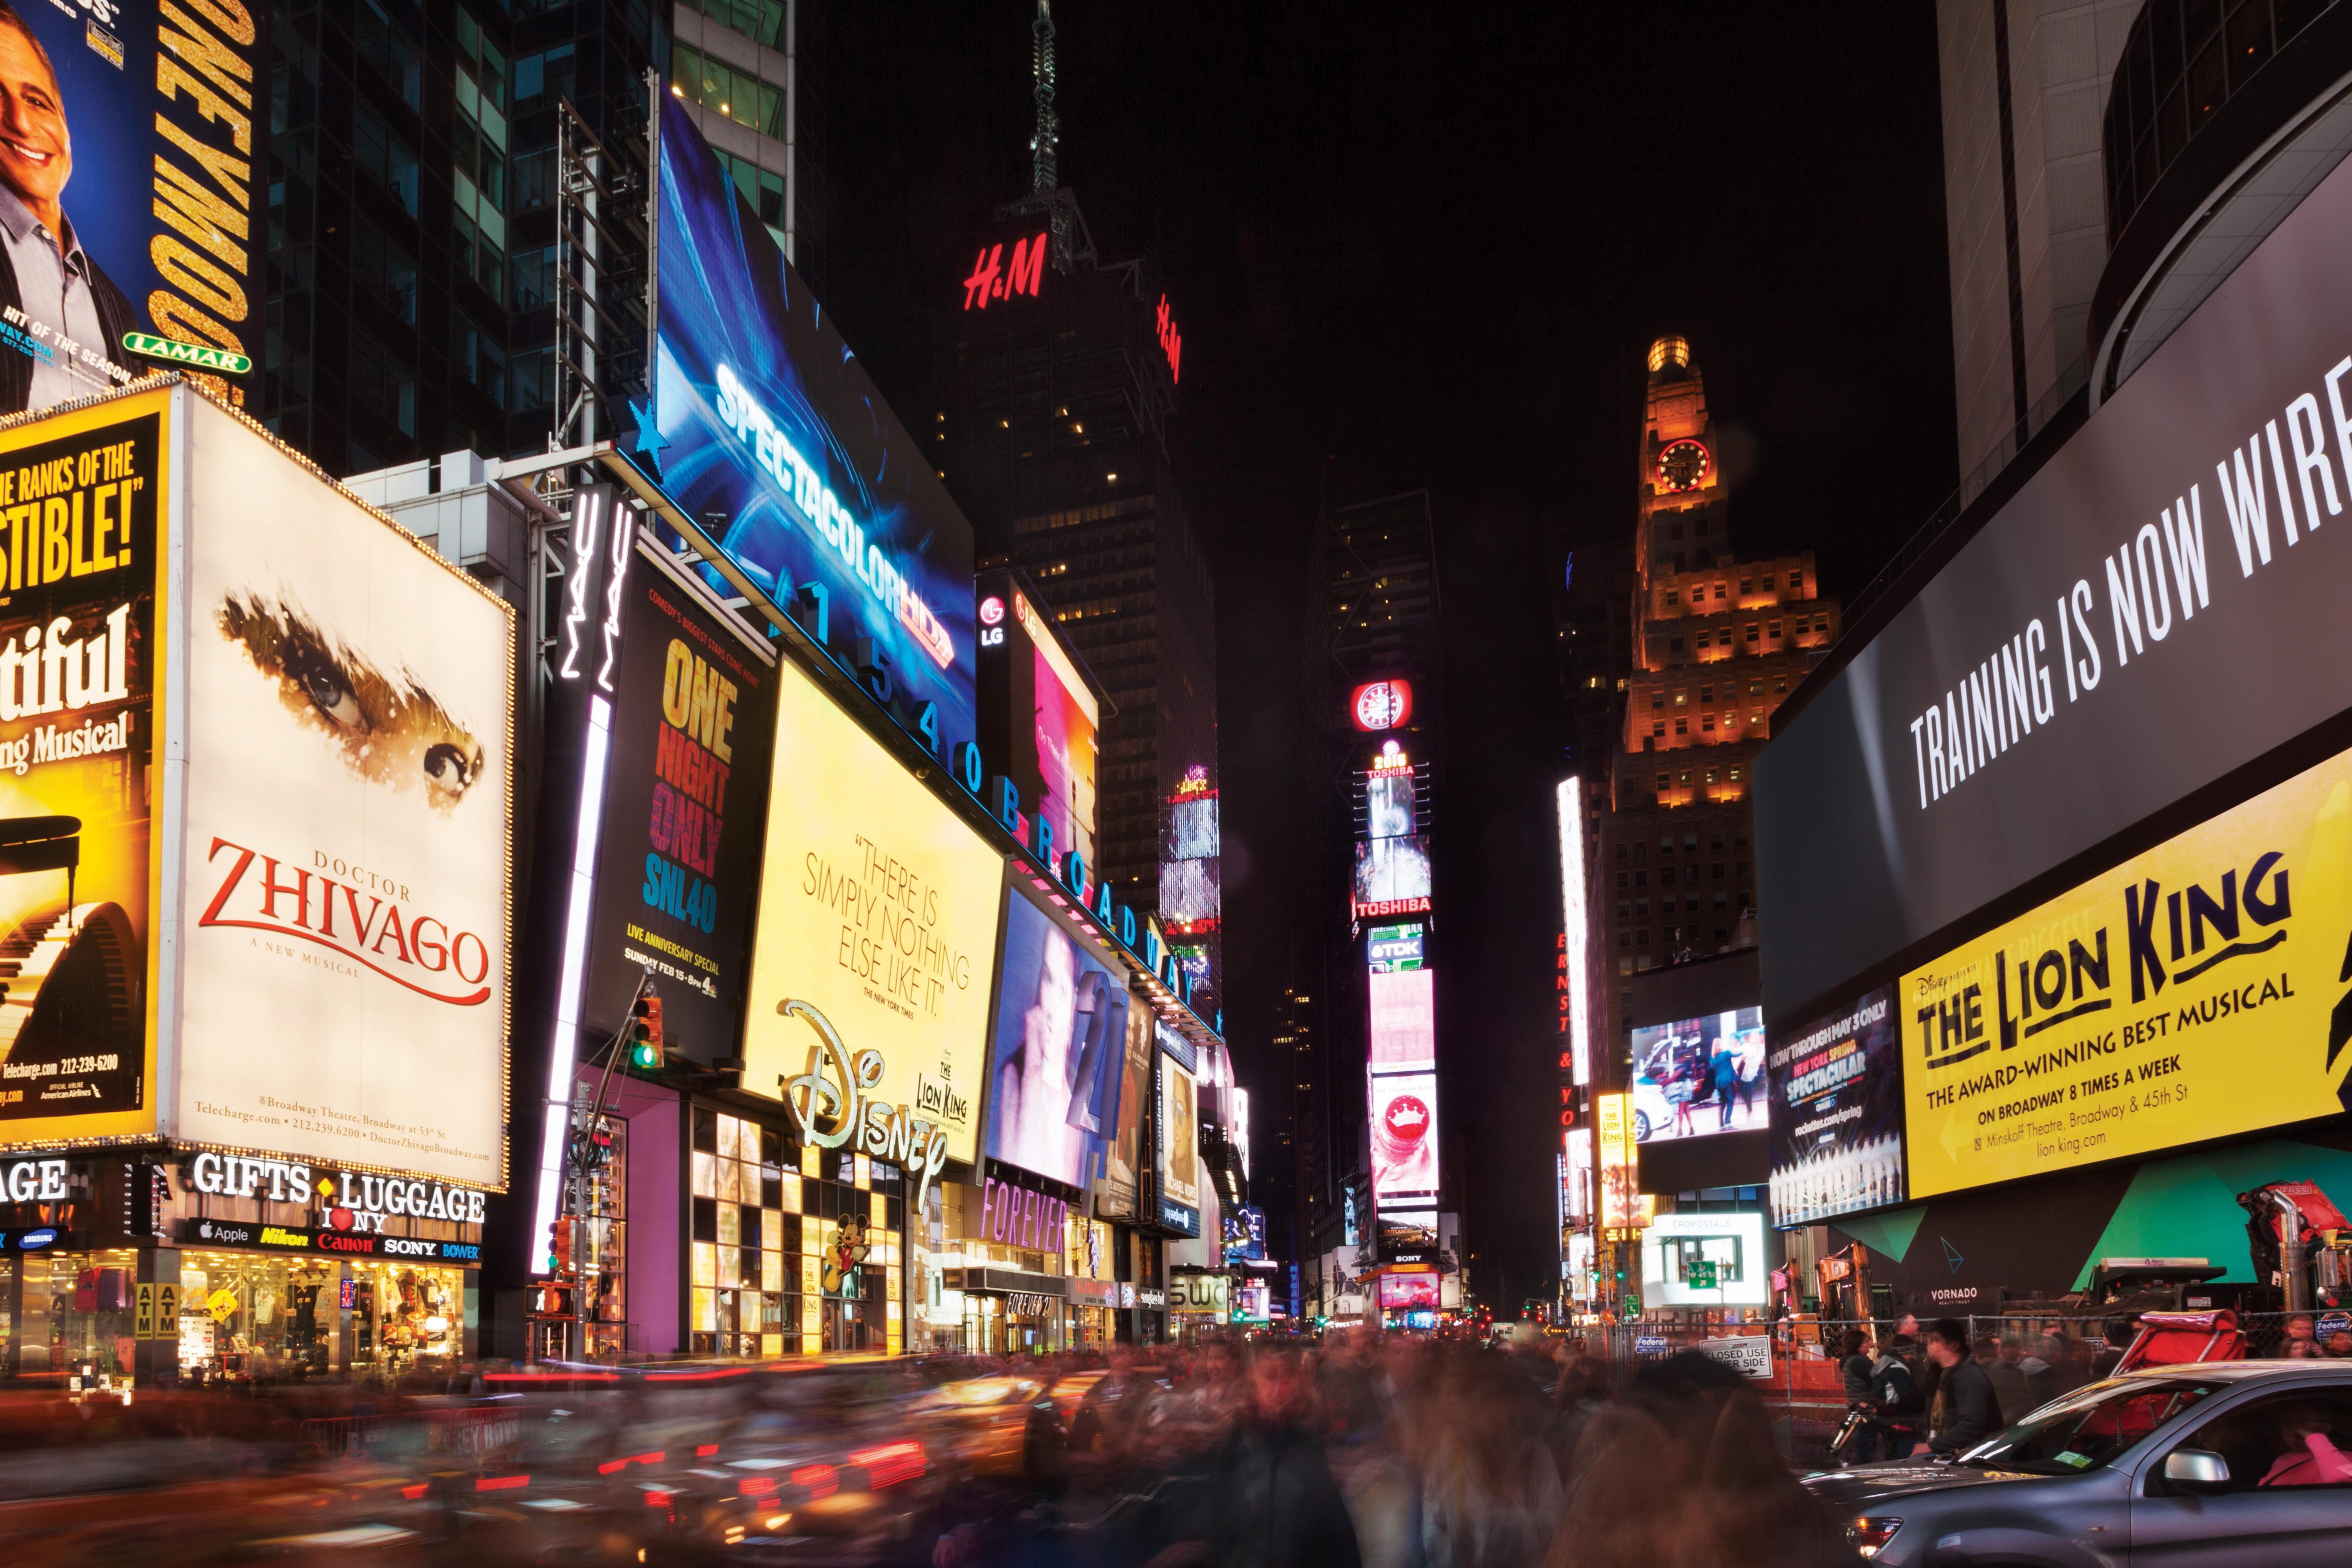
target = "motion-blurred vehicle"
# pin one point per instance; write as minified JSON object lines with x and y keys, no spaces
{"x":2169,"y":1467}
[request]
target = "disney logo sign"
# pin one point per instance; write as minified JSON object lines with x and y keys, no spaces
{"x":830,"y":1103}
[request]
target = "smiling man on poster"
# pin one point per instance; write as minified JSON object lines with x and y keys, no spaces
{"x":72,"y":315}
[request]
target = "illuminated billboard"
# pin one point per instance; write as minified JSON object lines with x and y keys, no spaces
{"x":1705,"y":1260}
{"x":764,"y":418}
{"x":1404,"y":1135}
{"x":1575,"y":984}
{"x":1126,"y":1158}
{"x":1621,"y":1161}
{"x":1179,"y":1148}
{"x":1393,"y":875}
{"x":878,"y":914}
{"x":1403,"y":1032}
{"x":343,"y":978}
{"x":1698,"y":1077}
{"x":77,"y":850}
{"x":2166,"y":1002}
{"x":678,"y":855}
{"x":1414,"y":1292}
{"x":1393,"y":950}
{"x":1837,"y":1114}
{"x":1056,"y":1067}
{"x":133,"y":137}
{"x":1039,"y":718}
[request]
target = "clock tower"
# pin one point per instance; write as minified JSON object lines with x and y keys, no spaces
{"x":1717,"y":643}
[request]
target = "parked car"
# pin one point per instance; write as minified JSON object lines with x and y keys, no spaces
{"x":2168,"y":1466}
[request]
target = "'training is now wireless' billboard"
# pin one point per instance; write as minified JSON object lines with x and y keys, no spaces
{"x":765,"y":428}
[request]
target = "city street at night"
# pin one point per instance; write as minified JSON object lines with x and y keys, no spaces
{"x":1077,"y":785}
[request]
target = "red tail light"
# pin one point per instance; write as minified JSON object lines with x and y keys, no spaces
{"x":821,"y":1480}
{"x":500,"y":1483}
{"x":891,"y":1463}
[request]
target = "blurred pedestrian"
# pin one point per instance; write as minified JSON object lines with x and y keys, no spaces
{"x":1895,"y":1393}
{"x":2007,"y":1371}
{"x":1272,"y":1502}
{"x":1963,"y":1411}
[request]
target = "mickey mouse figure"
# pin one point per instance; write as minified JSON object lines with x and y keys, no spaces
{"x":849,"y":1247}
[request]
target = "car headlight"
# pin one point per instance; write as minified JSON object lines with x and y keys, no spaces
{"x":1870,"y":1533}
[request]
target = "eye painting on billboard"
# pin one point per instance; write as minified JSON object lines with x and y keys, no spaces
{"x":349,"y":772}
{"x":765,"y":419}
{"x":878,"y":909}
{"x":76,"y":833}
{"x":1699,"y":1076}
{"x":1057,"y":1068}
{"x":1837,"y":1114}
{"x":685,"y":791}
{"x":1405,"y":1133}
{"x":2193,"y":992}
{"x":135,"y":142}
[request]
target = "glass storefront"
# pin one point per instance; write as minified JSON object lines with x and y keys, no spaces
{"x":254,"y":1316}
{"x":792,"y":1249}
{"x":407,"y":1317}
{"x":76,"y":1309}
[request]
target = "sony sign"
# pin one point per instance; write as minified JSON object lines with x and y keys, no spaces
{"x":2155,"y":608}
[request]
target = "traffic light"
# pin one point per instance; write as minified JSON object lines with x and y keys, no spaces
{"x":559,"y":1250}
{"x":645,"y":1033}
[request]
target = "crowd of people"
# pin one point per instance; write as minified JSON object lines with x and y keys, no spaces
{"x":1396,"y":1452}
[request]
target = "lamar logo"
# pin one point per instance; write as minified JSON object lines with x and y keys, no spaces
{"x":376,"y":935}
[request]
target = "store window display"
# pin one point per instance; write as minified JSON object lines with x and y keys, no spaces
{"x":77,"y":1309}
{"x":766,"y":1223}
{"x":252,"y":1317}
{"x":403,"y":1314}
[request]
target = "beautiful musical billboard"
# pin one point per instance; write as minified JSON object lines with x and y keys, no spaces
{"x":132,"y":141}
{"x":1179,"y":1148}
{"x":2191,"y":992}
{"x":1126,"y":1158}
{"x":878,"y":916}
{"x":1836,"y":1115}
{"x":85,"y":529}
{"x":764,"y":420}
{"x":344,"y":971}
{"x":1055,"y":1070}
{"x":1698,"y":1077}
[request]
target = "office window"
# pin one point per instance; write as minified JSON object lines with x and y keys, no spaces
{"x":533,"y":272}
{"x":383,"y":269}
{"x":384,"y":155}
{"x":483,"y":67}
{"x":382,"y":384}
{"x":541,"y":79}
{"x":761,"y":21}
{"x":478,"y":359}
{"x":381,"y":44}
{"x":740,"y":96}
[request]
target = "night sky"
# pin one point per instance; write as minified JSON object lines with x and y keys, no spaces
{"x":1416,"y":246}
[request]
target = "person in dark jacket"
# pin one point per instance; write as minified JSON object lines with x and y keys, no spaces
{"x":1894,"y":1390}
{"x":1271,"y":1501}
{"x":1964,"y":1411}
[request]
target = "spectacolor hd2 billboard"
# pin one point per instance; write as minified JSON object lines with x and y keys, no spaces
{"x":2192,"y":992}
{"x":1837,"y":1114}
{"x":765,"y":425}
{"x":332,"y":983}
{"x":2158,"y":605}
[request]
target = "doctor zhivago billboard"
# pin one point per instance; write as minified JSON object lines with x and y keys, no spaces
{"x":292,"y":936}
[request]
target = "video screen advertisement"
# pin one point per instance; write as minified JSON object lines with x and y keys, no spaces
{"x":764,"y":418}
{"x":2193,"y":992}
{"x":876,"y":929}
{"x":2151,"y":581}
{"x":1057,"y":1065}
{"x":1180,"y":1147}
{"x":344,"y":971}
{"x":1416,"y":1292}
{"x":1705,"y":1260}
{"x":1039,"y":718}
{"x":686,"y":790}
{"x":1836,"y":1133}
{"x":1404,"y":1135}
{"x":1699,"y":1076}
{"x":138,"y":141}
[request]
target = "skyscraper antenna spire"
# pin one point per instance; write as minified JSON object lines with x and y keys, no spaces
{"x":1044,"y":145}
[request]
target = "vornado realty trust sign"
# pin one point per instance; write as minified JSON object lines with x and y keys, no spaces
{"x":2158,"y":605}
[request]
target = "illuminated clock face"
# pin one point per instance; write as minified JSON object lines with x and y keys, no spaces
{"x":1382,"y":705}
{"x":1683,"y":465}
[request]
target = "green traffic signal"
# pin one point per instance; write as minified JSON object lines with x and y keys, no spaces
{"x":645,"y":1054}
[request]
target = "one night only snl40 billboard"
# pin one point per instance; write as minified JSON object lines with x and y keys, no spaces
{"x":765,"y":428}
{"x":137,"y":142}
